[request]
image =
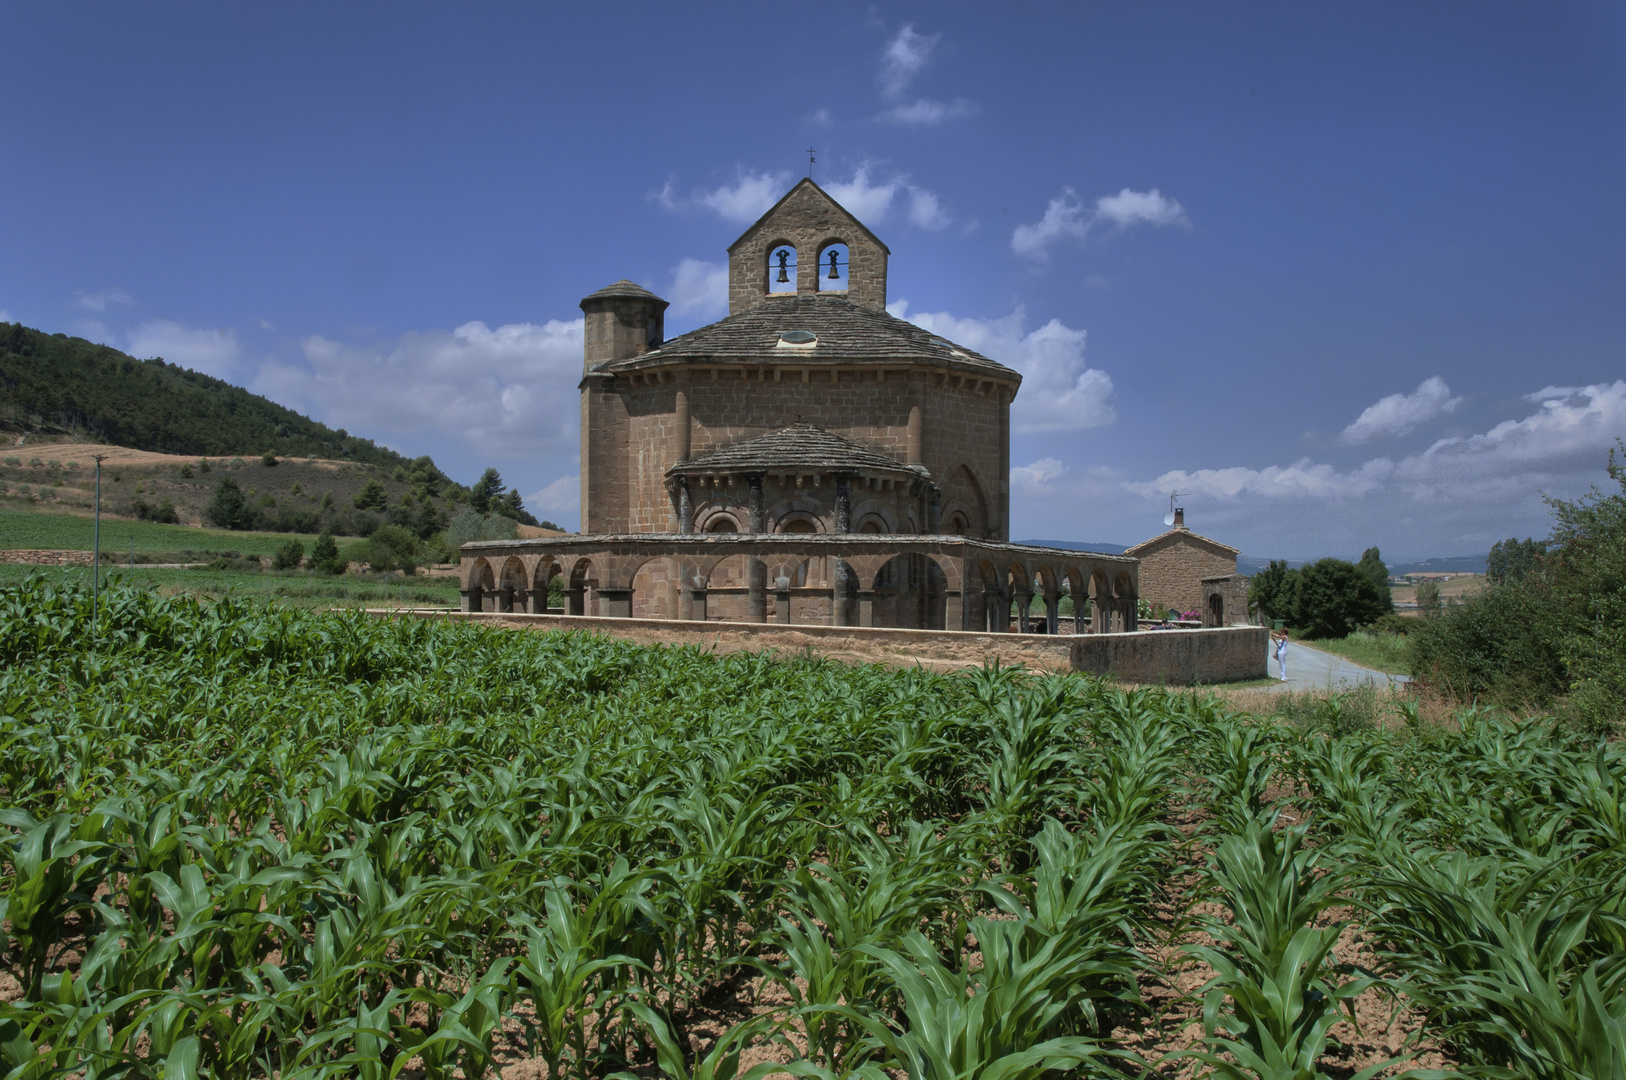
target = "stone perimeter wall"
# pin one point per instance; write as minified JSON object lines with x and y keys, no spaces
{"x":1176,"y":657}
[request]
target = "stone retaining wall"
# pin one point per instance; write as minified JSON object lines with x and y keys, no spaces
{"x":1169,"y":656}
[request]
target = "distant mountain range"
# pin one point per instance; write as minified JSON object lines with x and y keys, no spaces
{"x":1451,"y":564}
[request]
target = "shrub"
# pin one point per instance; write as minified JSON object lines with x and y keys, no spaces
{"x":288,"y":556}
{"x":1393,"y":624}
{"x":1503,"y":643}
{"x":470,"y":525}
{"x":229,"y":508}
{"x":1428,"y":597}
{"x":371,"y":497}
{"x":186,"y":472}
{"x":325,"y":556}
{"x":269,"y":460}
{"x":164,"y":513}
{"x":1334,"y":597}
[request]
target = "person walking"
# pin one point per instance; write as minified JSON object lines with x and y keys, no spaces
{"x":1280,"y":640}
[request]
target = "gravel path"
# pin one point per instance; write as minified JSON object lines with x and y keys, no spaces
{"x":1312,"y":669}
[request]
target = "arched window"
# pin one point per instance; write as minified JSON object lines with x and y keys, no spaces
{"x":832,"y":276}
{"x":956,"y":525}
{"x":722,"y":523}
{"x":781,"y":269}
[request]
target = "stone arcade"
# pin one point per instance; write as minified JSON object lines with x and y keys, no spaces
{"x":809,"y":459}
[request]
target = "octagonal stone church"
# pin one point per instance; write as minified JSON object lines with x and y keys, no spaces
{"x":810,"y":458}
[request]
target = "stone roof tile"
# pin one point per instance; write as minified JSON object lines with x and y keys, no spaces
{"x":847,"y":334}
{"x":800,"y":446}
{"x":623,"y":288}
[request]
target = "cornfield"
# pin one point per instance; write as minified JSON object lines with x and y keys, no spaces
{"x":244,"y":840}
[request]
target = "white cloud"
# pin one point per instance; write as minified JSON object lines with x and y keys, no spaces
{"x":1569,"y":433}
{"x":1066,"y":216}
{"x":1572,"y":420}
{"x":1134,"y":207}
{"x":905,"y":57}
{"x":699,"y":288}
{"x":1037,"y":477}
{"x":1398,"y":414}
{"x":865,"y":201}
{"x":927,"y":111}
{"x":821,"y":118}
{"x":1060,"y":391}
{"x":507,"y":392}
{"x":664,"y":196}
{"x":926,"y":210}
{"x":5,"y":316}
{"x":215,"y":352}
{"x":748,"y":198}
{"x":104,"y":299}
{"x":564,"y":494}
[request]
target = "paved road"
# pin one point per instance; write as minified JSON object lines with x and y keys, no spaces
{"x":1312,"y":669}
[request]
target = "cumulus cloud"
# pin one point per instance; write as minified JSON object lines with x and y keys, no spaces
{"x":748,"y":197}
{"x":561,"y":496}
{"x":821,"y":118}
{"x":1567,"y":435}
{"x":1060,"y":391}
{"x":1036,"y":478}
{"x":864,"y":200}
{"x":215,"y":352}
{"x":926,"y":210}
{"x":1067,"y":216}
{"x":926,"y":111}
{"x":101,"y":301}
{"x":504,"y":392}
{"x":1136,"y":207}
{"x":5,"y":316}
{"x":1398,"y":414}
{"x":905,"y":56}
{"x":699,"y":288}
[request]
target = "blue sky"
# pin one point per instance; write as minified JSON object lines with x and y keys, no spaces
{"x":1347,"y":274}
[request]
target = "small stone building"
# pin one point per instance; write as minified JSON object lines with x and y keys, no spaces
{"x":1225,"y":600}
{"x":1173,"y":567}
{"x":810,"y":458}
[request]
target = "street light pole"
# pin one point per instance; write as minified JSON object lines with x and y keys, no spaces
{"x":96,"y":548}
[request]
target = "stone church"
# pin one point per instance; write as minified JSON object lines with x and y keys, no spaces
{"x":809,"y":458}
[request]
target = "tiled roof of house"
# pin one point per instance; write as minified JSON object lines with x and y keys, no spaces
{"x":800,"y":446}
{"x":846,"y":332}
{"x":1187,"y":533}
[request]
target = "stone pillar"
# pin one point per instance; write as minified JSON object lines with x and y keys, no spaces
{"x":537,"y":601}
{"x":934,"y":509}
{"x":576,"y":600}
{"x":473,"y":598}
{"x":843,"y":522}
{"x":998,"y":605}
{"x":757,"y":591}
{"x":866,"y":607}
{"x":1131,"y":613}
{"x":680,"y":420}
{"x":505,"y":598}
{"x":1103,"y":614}
{"x":754,"y":514}
{"x":615,"y":603}
{"x":838,"y":593}
{"x":1002,"y":498}
{"x":1052,"y":613}
{"x":954,"y":610}
{"x":1081,"y":623}
{"x":781,"y":600}
{"x":1024,"y":604}
{"x":696,"y":593}
{"x":685,"y":507}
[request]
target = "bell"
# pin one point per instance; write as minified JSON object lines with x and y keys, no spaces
{"x":784,"y":257}
{"x":833,"y":275}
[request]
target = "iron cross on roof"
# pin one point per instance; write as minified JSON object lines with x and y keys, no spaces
{"x":810,"y":163}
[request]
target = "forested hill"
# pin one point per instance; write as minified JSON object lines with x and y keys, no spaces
{"x":53,"y":380}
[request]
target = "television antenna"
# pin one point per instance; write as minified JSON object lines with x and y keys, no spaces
{"x":1168,"y":519}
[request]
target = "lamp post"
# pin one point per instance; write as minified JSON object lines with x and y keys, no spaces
{"x":96,"y":548}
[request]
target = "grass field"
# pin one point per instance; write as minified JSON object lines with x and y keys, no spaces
{"x":25,"y":529}
{"x":297,"y":589}
{"x":1380,"y":652}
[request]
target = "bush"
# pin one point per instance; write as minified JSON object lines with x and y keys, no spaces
{"x":288,"y":556}
{"x":269,"y":460}
{"x":164,"y":513}
{"x":470,"y":526}
{"x":1393,"y":624}
{"x":1334,"y":597}
{"x":1503,"y":643}
{"x":390,"y":547}
{"x":325,"y":556}
{"x":229,"y":508}
{"x":371,"y":497}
